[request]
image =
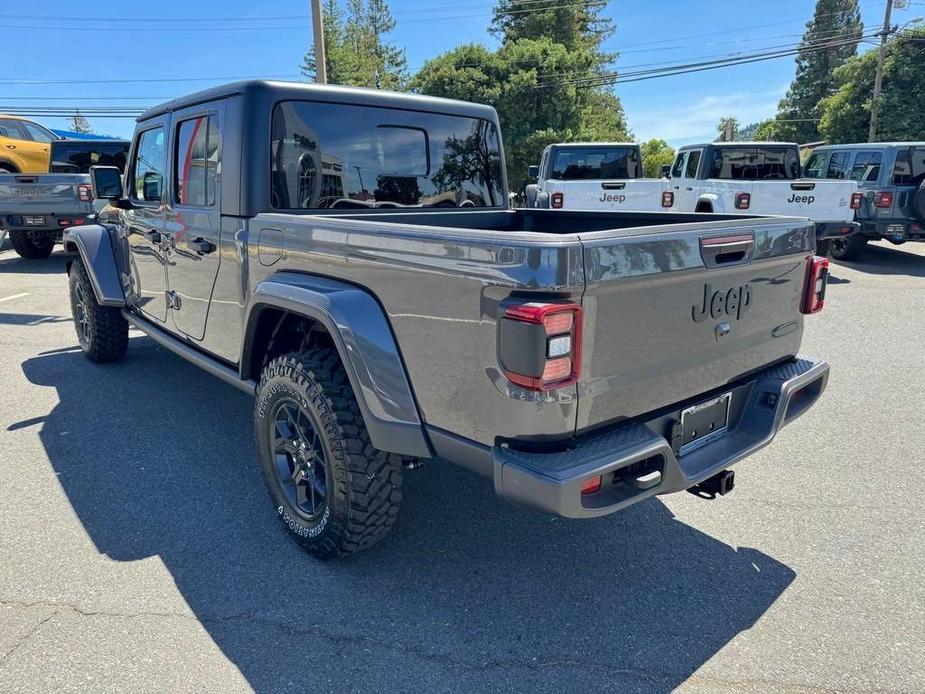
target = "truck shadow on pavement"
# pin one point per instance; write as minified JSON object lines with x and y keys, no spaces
{"x":879,"y":259}
{"x":53,"y":264}
{"x":468,"y":592}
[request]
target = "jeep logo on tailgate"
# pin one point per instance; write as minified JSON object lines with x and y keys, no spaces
{"x":808,"y":199}
{"x":723,"y":302}
{"x":607,"y":197}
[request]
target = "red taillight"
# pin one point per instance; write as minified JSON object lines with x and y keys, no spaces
{"x":667,"y":198}
{"x":591,"y":485}
{"x":557,"y":200}
{"x":817,"y":276}
{"x":856,"y":200}
{"x":743,"y":200}
{"x":883,"y":199}
{"x":84,"y":193}
{"x":540,"y":344}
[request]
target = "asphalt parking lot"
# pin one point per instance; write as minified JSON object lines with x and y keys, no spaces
{"x":138,"y":550}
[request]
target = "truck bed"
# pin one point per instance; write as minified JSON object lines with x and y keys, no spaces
{"x":641,"y":279}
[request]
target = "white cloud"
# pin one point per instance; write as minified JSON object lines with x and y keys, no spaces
{"x":697,"y":122}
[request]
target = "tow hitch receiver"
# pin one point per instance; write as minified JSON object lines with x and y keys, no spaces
{"x":720,"y":484}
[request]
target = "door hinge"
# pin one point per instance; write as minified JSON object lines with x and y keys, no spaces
{"x":173,"y":300}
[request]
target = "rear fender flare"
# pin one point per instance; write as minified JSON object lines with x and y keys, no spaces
{"x":363,"y":338}
{"x":713,"y":200}
{"x":95,"y":246}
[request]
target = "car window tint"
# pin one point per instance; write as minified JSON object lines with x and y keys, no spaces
{"x":693,"y":161}
{"x":839,"y":165}
{"x":593,"y":163}
{"x":910,"y":167}
{"x":149,"y":165}
{"x":197,"y":164}
{"x":11,"y":129}
{"x":813,"y":166}
{"x":752,"y":163}
{"x":356,"y":157}
{"x":77,"y":156}
{"x":678,"y":167}
{"x":38,"y":133}
{"x":866,"y":166}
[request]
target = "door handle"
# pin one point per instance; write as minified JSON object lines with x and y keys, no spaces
{"x":154,"y":236}
{"x":200,"y":245}
{"x":11,"y":146}
{"x":690,"y":189}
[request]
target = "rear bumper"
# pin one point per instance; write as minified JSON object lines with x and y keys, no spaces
{"x":899,"y":229}
{"x":835,"y":230}
{"x":54,"y":222}
{"x":552,"y":481}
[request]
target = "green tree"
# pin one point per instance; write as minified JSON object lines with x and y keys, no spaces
{"x":834,"y":22}
{"x":545,"y":79}
{"x":845,"y":116}
{"x":728,"y":128}
{"x":656,"y":154}
{"x":356,"y":50}
{"x":79,"y":124}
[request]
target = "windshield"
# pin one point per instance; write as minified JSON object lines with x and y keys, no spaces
{"x":75,"y":156}
{"x":594,"y":163}
{"x":345,"y":156}
{"x":755,"y":163}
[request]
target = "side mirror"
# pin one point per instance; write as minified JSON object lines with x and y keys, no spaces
{"x":666,"y":170}
{"x":533,"y":171}
{"x":106,"y":182}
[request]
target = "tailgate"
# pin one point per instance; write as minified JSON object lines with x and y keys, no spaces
{"x":667,"y":320}
{"x":821,"y":200}
{"x":636,"y":195}
{"x":40,"y":193}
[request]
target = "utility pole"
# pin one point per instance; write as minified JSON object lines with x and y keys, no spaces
{"x":321,"y":67}
{"x":878,"y":80}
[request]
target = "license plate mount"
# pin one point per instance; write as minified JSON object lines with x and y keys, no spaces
{"x":704,"y":423}
{"x":34,"y":220}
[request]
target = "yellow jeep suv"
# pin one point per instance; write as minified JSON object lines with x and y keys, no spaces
{"x":24,"y":145}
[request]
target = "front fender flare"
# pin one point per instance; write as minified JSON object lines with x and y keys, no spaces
{"x":94,"y":243}
{"x":367,"y":348}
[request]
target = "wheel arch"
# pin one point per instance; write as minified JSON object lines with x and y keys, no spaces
{"x":707,"y":203}
{"x":357,"y":327}
{"x":94,"y":244}
{"x":9,"y":164}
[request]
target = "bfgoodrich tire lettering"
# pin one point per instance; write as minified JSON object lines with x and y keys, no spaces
{"x":101,"y":330}
{"x":361,"y":485}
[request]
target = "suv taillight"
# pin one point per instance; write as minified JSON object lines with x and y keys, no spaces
{"x":856,"y":200}
{"x":556,"y":201}
{"x":743,"y":200}
{"x":883,"y":199}
{"x":84,"y":193}
{"x":540,"y":344}
{"x":817,"y":276}
{"x":667,"y":198}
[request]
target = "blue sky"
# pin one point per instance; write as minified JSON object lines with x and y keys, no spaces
{"x":270,"y":40}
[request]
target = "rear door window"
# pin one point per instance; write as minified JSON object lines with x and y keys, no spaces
{"x":12,"y":129}
{"x":198,"y":162}
{"x":592,"y":163}
{"x":866,"y":166}
{"x":678,"y":167}
{"x":910,"y":167}
{"x":693,"y":162}
{"x":39,"y":134}
{"x":839,"y":165}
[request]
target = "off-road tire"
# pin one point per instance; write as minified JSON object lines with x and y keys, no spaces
{"x":849,"y":248}
{"x":824,"y":247}
{"x":918,"y":203}
{"x":363,"y":489}
{"x":29,"y":247}
{"x":101,"y":330}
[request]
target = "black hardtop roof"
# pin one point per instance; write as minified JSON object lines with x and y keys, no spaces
{"x":284,"y":91}
{"x":870,"y":145}
{"x":749,"y":143}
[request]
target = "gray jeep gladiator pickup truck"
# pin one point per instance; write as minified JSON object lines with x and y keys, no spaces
{"x":347,"y":256}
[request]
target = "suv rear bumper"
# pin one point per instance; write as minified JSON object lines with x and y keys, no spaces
{"x":551,"y":482}
{"x":835,"y":230}
{"x":53,"y":222}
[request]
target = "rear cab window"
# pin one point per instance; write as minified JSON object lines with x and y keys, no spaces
{"x":77,"y":156}
{"x":337,"y":156}
{"x":754,"y":163}
{"x":595,"y":163}
{"x":839,"y":165}
{"x":909,"y":169}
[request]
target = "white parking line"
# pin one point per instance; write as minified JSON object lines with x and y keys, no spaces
{"x":14,"y":296}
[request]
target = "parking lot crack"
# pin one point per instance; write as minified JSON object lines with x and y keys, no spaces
{"x":4,"y":657}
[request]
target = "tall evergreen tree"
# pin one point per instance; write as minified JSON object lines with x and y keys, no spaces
{"x":834,"y":21}
{"x":356,"y":50}
{"x":79,"y":124}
